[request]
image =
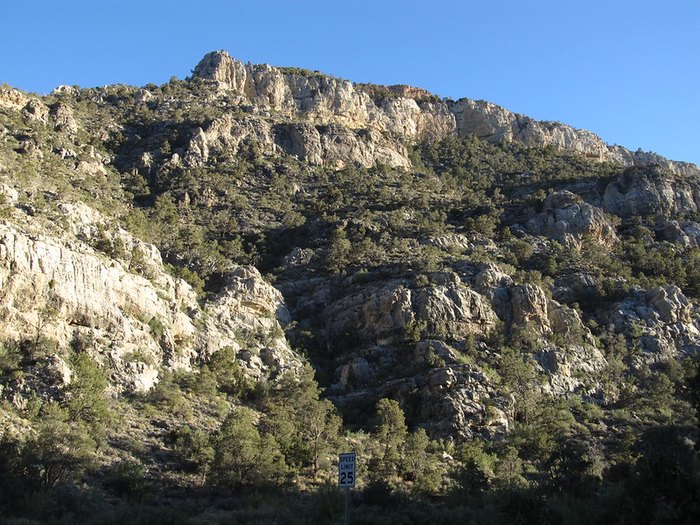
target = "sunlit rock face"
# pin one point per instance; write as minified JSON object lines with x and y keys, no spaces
{"x":388,"y":116}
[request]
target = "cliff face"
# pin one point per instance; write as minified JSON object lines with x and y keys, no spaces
{"x":409,"y":113}
{"x":494,"y":123}
{"x":57,"y":290}
{"x":341,"y":123}
{"x":333,"y":145}
{"x":323,"y":99}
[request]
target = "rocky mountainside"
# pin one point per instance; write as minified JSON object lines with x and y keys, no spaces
{"x":192,"y":253}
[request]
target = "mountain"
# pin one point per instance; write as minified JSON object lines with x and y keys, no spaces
{"x":219,"y":283}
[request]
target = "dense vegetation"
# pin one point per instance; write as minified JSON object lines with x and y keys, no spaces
{"x":213,"y":446}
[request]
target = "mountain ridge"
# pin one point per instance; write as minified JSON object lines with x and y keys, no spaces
{"x":408,"y":112}
{"x":484,"y":119}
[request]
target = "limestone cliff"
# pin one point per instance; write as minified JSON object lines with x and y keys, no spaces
{"x":494,"y":123}
{"x":60,"y":289}
{"x":322,"y":99}
{"x":396,"y":111}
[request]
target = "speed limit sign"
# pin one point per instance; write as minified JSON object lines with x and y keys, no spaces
{"x":346,"y":469}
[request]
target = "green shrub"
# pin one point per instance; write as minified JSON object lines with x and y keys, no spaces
{"x":194,"y":448}
{"x":157,"y":328}
{"x":127,"y":479}
{"x":86,"y":397}
{"x":167,"y":395}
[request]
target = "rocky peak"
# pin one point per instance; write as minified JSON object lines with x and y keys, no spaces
{"x":221,"y":67}
{"x":294,"y":92}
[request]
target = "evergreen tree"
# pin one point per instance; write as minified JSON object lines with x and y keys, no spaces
{"x":242,"y":457}
{"x":305,"y":426}
{"x":391,"y":435}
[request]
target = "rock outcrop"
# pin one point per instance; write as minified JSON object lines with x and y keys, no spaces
{"x":569,"y":220}
{"x":333,"y":145}
{"x":123,"y":308}
{"x":35,"y":112}
{"x":496,"y":124}
{"x":576,"y":368}
{"x":226,"y":134}
{"x":456,"y":401}
{"x":65,"y":291}
{"x":248,"y":315}
{"x":408,"y":338}
{"x":63,"y":118}
{"x":395,"y":312}
{"x":650,"y":190}
{"x":377,"y":315}
{"x":447,"y":307}
{"x":338,"y":146}
{"x":662,"y":321}
{"x":686,"y":233}
{"x":13,"y":99}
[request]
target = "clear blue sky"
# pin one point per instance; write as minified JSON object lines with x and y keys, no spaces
{"x":627,"y":70}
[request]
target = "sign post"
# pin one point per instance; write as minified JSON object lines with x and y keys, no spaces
{"x":346,"y":476}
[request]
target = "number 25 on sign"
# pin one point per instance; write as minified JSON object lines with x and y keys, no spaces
{"x":346,"y":469}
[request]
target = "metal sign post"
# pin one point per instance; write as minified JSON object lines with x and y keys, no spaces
{"x":346,"y":476}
